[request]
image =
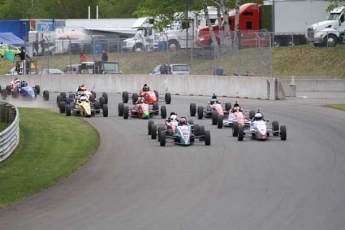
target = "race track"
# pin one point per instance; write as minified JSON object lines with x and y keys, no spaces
{"x":134,"y":184}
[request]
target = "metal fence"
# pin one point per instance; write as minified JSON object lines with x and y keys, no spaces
{"x":9,"y":138}
{"x":244,"y":53}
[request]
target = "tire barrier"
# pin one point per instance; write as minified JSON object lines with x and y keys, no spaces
{"x":9,"y":137}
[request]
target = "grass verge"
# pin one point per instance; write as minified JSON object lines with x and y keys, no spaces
{"x":336,"y":106}
{"x":49,"y":150}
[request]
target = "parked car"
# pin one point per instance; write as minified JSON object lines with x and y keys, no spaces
{"x":176,"y":69}
{"x":50,"y":71}
{"x":12,"y":71}
{"x":9,"y":48}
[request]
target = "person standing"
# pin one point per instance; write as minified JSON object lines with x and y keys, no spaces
{"x":82,"y":57}
{"x":43,"y":47}
{"x":164,"y":69}
{"x":104,"y":56}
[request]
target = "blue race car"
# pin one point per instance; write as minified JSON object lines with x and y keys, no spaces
{"x":185,"y":134}
{"x":22,"y":89}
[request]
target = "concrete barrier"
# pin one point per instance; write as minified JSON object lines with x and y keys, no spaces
{"x":230,"y":86}
{"x":315,"y":85}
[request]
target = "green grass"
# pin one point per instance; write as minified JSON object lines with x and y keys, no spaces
{"x":50,"y":148}
{"x":336,"y":106}
{"x":295,"y":61}
{"x":3,"y":126}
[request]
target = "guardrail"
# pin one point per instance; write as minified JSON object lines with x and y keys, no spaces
{"x":9,"y":138}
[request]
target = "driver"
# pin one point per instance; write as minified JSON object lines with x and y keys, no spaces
{"x":83,"y":98}
{"x":146,"y":88}
{"x":214,"y":100}
{"x":172,"y":117}
{"x":258,"y":117}
{"x":81,"y":88}
{"x":182,"y":121}
{"x":236,"y":108}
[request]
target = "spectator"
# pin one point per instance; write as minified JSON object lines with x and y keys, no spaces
{"x":83,"y":57}
{"x":104,"y":56}
{"x":164,"y":69}
{"x":43,"y":47}
{"x":36,"y":47}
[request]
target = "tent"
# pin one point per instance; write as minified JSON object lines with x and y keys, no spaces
{"x":73,"y":34}
{"x":10,"y":38}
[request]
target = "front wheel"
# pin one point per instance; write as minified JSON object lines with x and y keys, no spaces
{"x":124,"y":96}
{"x":168,"y":98}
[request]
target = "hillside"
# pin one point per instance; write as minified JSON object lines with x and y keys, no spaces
{"x":296,"y":61}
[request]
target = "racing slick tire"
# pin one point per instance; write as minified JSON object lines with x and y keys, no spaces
{"x":102,"y":101}
{"x":71,"y":96}
{"x":105,"y":110}
{"x":163,"y":111}
{"x":63,"y":95}
{"x":46,"y":95}
{"x":168,"y":98}
{"x":134,"y":98}
{"x":192,"y":109}
{"x":38,"y":89}
{"x":220,"y":121}
{"x":58,"y":99}
{"x":160,"y":128}
{"x":149,"y":126}
{"x":240,"y":133}
{"x":124,"y":96}
{"x":68,"y":101}
{"x":120,"y":109}
{"x":275,"y":128}
{"x":62,"y":106}
{"x":227,"y":106}
{"x":153,"y":131}
{"x":235,"y":126}
{"x":155,"y":108}
{"x":97,"y":106}
{"x":200,"y":112}
{"x":201,"y":130}
{"x":156,"y":93}
{"x":92,"y":99}
{"x":15,"y":94}
{"x":94,"y":94}
{"x":125,"y":112}
{"x":105,"y":95}
{"x":35,"y":92}
{"x":8,"y":88}
{"x":4,"y":94}
{"x":162,"y":138}
{"x":191,"y":122}
{"x":196,"y":129}
{"x":68,"y":110}
{"x":251,"y":114}
{"x":214,"y":118}
{"x":283,"y":133}
{"x":207,"y":137}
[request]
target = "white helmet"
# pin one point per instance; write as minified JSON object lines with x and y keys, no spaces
{"x":173,"y":117}
{"x":83,"y":98}
{"x":258,"y":116}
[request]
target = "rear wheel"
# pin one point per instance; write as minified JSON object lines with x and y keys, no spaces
{"x":58,"y":99}
{"x":124,"y":96}
{"x":207,"y":137}
{"x":240,"y":133}
{"x":163,"y":111}
{"x":153,"y":131}
{"x":283,"y":132}
{"x":105,"y":95}
{"x":149,"y":126}
{"x":168,"y":98}
{"x":220,"y":121}
{"x":196,"y":129}
{"x":200,"y":112}
{"x":235,"y":129}
{"x":134,"y":98}
{"x":125,"y":112}
{"x":62,"y":106}
{"x":102,"y":101}
{"x":162,"y":138}
{"x":68,"y":110}
{"x":214,"y":118}
{"x":155,"y":108}
{"x":251,"y":114}
{"x":227,"y":106}
{"x":92,"y":98}
{"x":97,"y":106}
{"x":192,"y":109}
{"x":105,"y":110}
{"x":46,"y":95}
{"x":38,"y":89}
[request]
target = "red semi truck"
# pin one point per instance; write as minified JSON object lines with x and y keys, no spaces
{"x":250,"y":26}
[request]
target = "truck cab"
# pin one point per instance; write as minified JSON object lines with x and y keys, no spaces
{"x":145,"y":38}
{"x":329,"y":32}
{"x":249,"y":27}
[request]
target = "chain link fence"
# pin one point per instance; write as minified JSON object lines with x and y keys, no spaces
{"x":244,"y":53}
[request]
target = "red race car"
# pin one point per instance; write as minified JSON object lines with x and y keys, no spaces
{"x":141,"y":109}
{"x":150,"y":96}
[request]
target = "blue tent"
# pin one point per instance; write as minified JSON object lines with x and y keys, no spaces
{"x":10,"y":38}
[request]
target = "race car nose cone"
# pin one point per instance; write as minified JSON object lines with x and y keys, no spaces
{"x":146,"y":114}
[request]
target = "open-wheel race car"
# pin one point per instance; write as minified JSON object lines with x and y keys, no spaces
{"x":235,"y":114}
{"x":21,"y":89}
{"x":183,"y":132}
{"x":73,"y":105}
{"x":259,"y":129}
{"x":150,"y":97}
{"x":211,"y":110}
{"x":141,"y":110}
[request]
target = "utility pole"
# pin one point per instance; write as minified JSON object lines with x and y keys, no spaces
{"x":237,"y":17}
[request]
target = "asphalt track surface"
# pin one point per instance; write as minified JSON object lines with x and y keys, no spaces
{"x":132,"y":183}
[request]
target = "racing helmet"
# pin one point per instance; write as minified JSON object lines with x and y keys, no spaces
{"x":258,"y":117}
{"x":173,"y":117}
{"x":82,"y":87}
{"x":182,"y":121}
{"x":24,"y":83}
{"x":146,"y":88}
{"x":141,"y":100}
{"x":214,"y":96}
{"x":213,"y":101}
{"x":16,"y":80}
{"x":236,"y":104}
{"x":83,"y":98}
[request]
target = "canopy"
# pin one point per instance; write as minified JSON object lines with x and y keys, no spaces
{"x":73,"y":34}
{"x":10,"y":38}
